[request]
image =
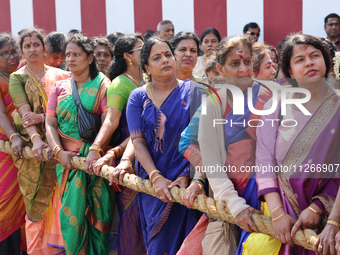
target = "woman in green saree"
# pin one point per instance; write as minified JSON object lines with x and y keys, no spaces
{"x":87,"y":199}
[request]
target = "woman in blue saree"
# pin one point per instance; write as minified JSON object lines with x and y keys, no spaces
{"x":157,"y":113}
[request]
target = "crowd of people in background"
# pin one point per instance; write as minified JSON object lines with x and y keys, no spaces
{"x":135,"y":103}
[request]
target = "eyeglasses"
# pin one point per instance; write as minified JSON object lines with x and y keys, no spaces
{"x":137,"y":48}
{"x":253,"y":33}
{"x":7,"y":54}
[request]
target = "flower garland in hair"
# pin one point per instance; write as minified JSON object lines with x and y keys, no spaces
{"x":336,"y":67}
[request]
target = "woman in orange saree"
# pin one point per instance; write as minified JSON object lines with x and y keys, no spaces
{"x":12,"y":217}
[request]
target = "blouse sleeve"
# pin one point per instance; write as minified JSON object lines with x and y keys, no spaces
{"x":134,"y":112}
{"x":265,"y":153}
{"x":118,"y":94}
{"x":16,"y":89}
{"x":52,"y":102}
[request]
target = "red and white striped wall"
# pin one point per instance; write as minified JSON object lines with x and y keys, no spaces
{"x":276,"y":18}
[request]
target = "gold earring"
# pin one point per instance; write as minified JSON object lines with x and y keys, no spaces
{"x":130,"y":62}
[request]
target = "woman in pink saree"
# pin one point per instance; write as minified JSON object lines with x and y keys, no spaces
{"x":304,"y":149}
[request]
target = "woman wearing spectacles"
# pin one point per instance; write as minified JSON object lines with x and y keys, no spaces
{"x":126,"y":76}
{"x":12,"y":206}
{"x":29,"y":88}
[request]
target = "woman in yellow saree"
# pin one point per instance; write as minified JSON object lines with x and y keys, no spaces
{"x":29,"y":88}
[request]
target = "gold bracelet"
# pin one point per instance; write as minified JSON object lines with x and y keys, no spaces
{"x":34,"y":135}
{"x":279,"y":217}
{"x":333,"y":223}
{"x":153,"y":181}
{"x":96,"y":148}
{"x":199,"y":184}
{"x":313,"y":210}
{"x":153,"y":172}
{"x":276,"y":209}
{"x":96,"y":145}
{"x":57,"y":151}
{"x":10,"y":138}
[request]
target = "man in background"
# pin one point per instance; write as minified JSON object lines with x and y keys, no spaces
{"x":332,"y":29}
{"x":252,"y":30}
{"x":166,"y":30}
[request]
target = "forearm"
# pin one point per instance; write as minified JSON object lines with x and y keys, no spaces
{"x":25,"y":109}
{"x":335,"y":213}
{"x":273,"y":200}
{"x":143,"y":155}
{"x":129,"y":152}
{"x":6,"y":125}
{"x":109,"y":126}
{"x":52,"y":135}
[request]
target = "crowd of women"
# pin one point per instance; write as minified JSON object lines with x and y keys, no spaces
{"x":143,"y":99}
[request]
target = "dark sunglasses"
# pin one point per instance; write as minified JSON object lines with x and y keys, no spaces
{"x":253,"y":33}
{"x":7,"y":54}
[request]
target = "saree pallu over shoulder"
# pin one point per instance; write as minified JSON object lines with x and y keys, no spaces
{"x":322,"y":131}
{"x":87,"y":201}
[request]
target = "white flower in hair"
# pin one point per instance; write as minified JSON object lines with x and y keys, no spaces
{"x":336,"y":67}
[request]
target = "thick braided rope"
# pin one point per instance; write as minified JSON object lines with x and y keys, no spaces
{"x":305,"y":238}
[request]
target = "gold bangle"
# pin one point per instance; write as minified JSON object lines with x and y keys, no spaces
{"x":57,"y":151}
{"x":313,"y":210}
{"x":279,"y":217}
{"x":10,"y":138}
{"x":96,"y":148}
{"x":153,"y":172}
{"x":333,"y":223}
{"x":199,"y":184}
{"x":34,"y":135}
{"x":276,"y":209}
{"x":101,"y":150}
{"x":153,"y":181}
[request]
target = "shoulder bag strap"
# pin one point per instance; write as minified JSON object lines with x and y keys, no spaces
{"x":75,"y":92}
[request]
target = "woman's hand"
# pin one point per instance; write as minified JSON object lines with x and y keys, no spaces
{"x":124,"y":167}
{"x":327,"y":240}
{"x":244,"y":221}
{"x":37,"y":149}
{"x":50,"y":156}
{"x":307,"y":219}
{"x":91,"y":157}
{"x":337,"y":242}
{"x":31,"y":119}
{"x":191,"y":192}
{"x":107,"y":159}
{"x":64,"y":158}
{"x":17,"y":146}
{"x":282,"y":227}
{"x":161,"y":186}
{"x":181,"y":182}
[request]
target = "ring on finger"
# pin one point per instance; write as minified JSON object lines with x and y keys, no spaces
{"x":160,"y":197}
{"x":320,"y":246}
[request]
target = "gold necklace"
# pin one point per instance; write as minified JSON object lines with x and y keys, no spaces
{"x":131,"y":79}
{"x":2,"y":74}
{"x":153,"y":99}
{"x":36,"y":77}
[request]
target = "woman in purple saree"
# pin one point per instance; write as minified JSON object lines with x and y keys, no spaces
{"x":157,"y":113}
{"x":303,"y":191}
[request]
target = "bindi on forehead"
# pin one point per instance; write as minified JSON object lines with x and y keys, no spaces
{"x":303,"y":47}
{"x":240,"y":53}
